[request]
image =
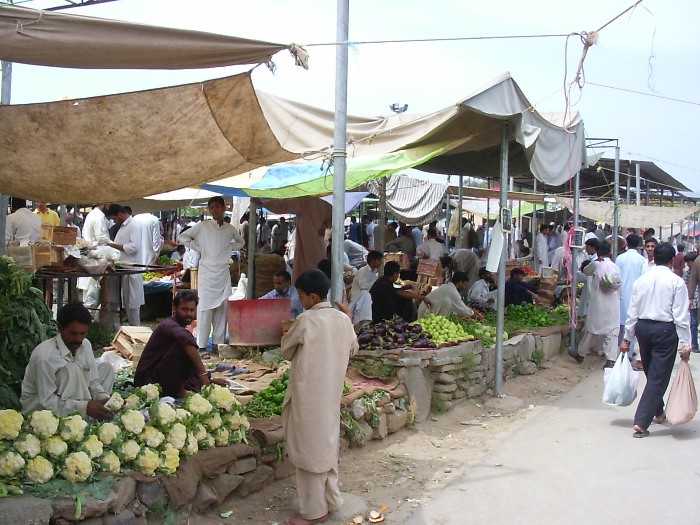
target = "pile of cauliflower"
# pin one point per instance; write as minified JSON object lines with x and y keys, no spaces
{"x":146,"y":435}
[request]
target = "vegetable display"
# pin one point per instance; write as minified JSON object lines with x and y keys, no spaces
{"x":479,"y":330}
{"x":443,"y":329}
{"x":394,"y":333}
{"x":147,"y":435}
{"x":524,"y":316}
{"x":268,"y":402}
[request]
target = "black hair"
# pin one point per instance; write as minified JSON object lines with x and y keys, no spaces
{"x":544,"y":227}
{"x":313,"y":281}
{"x":180,"y":246}
{"x":445,"y":261}
{"x":244,"y":217}
{"x":663,"y":253}
{"x":432,"y":232}
{"x":391,"y":268}
{"x":690,"y":257}
{"x":217,"y":199}
{"x":653,"y":239}
{"x":633,"y":240}
{"x":128,"y":210}
{"x":374,"y":255}
{"x":16,"y":203}
{"x":460,"y":277}
{"x":604,"y":249}
{"x":73,"y":313}
{"x":185,"y":296}
{"x":593,"y":243}
{"x":284,"y":274}
{"x":516,"y":271}
{"x":680,"y":248}
{"x":325,"y":266}
{"x":482,"y":271}
{"x":114,"y":210}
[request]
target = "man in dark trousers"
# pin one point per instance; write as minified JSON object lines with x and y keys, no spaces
{"x":659,"y":317}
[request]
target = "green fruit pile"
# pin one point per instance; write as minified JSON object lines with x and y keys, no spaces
{"x":477,"y":330}
{"x":443,"y":329}
{"x":524,"y":316}
{"x":268,"y":402}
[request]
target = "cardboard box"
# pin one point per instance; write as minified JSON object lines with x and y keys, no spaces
{"x":399,"y":257}
{"x":31,"y":258}
{"x":128,"y":338}
{"x":61,"y":235}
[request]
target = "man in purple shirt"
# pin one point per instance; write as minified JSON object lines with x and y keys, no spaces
{"x":171,"y":358}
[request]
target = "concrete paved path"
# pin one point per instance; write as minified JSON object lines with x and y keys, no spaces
{"x":577,"y":463}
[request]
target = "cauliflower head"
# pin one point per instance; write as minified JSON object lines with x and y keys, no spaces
{"x":77,"y":467}
{"x":149,"y":392}
{"x":115,"y":403}
{"x":108,"y":433}
{"x":28,"y":445}
{"x":39,"y":470}
{"x":10,"y":424}
{"x":163,"y":414}
{"x":177,"y":437}
{"x":133,"y":421}
{"x":11,"y":463}
{"x":72,"y":428}
{"x":221,"y":437}
{"x":92,"y":446}
{"x":43,"y":423}
{"x":151,"y":437}
{"x":191,"y":447}
{"x":109,"y":462}
{"x":213,"y":421}
{"x":220,"y":397}
{"x":196,"y":404}
{"x":133,"y":402}
{"x":55,"y":447}
{"x":129,"y":450}
{"x":169,"y":459}
{"x":148,"y":461}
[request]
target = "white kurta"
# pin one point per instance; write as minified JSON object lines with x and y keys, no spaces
{"x":130,"y":235}
{"x":541,"y":252}
{"x":357,"y":254}
{"x":430,"y":249}
{"x":480,"y":293}
{"x":360,"y":299}
{"x":445,"y":301}
{"x":603,"y":315}
{"x":319,"y":346}
{"x":151,"y":240}
{"x":95,"y":231}
{"x":214,"y":243}
{"x":631,"y":266}
{"x":22,"y":225}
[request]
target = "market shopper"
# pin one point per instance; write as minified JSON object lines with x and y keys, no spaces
{"x":360,"y":299}
{"x":602,"y":323}
{"x":357,"y":254}
{"x":446,"y":300}
{"x":151,"y":237}
{"x":213,"y":240}
{"x":403,"y":243}
{"x":659,"y":317}
{"x":542,"y":248}
{"x":129,"y":241}
{"x":649,"y":246}
{"x":389,"y":300}
{"x":279,"y":235}
{"x":282,"y":289}
{"x":22,"y":225}
{"x":431,"y":248}
{"x":694,"y":302}
{"x":95,"y":232}
{"x":47,"y":215}
{"x":462,"y":260}
{"x":170,"y":357}
{"x":62,"y":374}
{"x":631,"y":265}
{"x":319,"y":345}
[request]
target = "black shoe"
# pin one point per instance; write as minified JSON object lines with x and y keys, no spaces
{"x":608,"y":364}
{"x":696,"y":350}
{"x":575,"y":356}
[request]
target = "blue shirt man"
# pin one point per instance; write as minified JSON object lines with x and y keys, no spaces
{"x":283,"y":289}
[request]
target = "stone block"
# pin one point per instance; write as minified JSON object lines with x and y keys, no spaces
{"x":476,"y":360}
{"x":125,"y":517}
{"x":224,"y":484}
{"x":444,"y":388}
{"x":549,"y":344}
{"x":459,"y":394}
{"x":418,"y":383}
{"x":383,"y":400}
{"x":409,"y":361}
{"x":489,"y":357}
{"x":358,"y":409}
{"x":365,"y":436}
{"x":510,"y":350}
{"x":443,"y":368}
{"x":65,"y":508}
{"x":95,"y":520}
{"x":490,"y":375}
{"x":285,"y":468}
{"x":230,"y":352}
{"x":527,"y":368}
{"x":205,"y":496}
{"x":388,"y":408}
{"x":381,"y":431}
{"x":396,"y":421}
{"x":476,"y":390}
{"x":125,"y":490}
{"x":420,"y":354}
{"x":443,"y":396}
{"x":243,"y":465}
{"x":25,"y":510}
{"x":475,"y":375}
{"x":254,"y":481}
{"x":152,"y":494}
{"x":527,"y":346}
{"x":444,"y":378}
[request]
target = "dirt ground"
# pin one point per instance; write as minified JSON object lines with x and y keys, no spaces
{"x":406,"y":467}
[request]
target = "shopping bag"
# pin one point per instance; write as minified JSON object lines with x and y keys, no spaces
{"x":682,"y":401}
{"x":620,"y":383}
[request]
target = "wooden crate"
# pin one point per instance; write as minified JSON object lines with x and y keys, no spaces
{"x":429,"y":267}
{"x":400,"y":258}
{"x":47,"y":256}
{"x":61,"y":235}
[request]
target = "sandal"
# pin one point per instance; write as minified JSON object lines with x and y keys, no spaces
{"x":639,"y":432}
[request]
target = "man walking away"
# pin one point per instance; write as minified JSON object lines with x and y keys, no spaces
{"x":659,"y":316}
{"x":631,"y":264}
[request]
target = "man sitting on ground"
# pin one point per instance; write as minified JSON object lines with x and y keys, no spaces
{"x":481,"y":294}
{"x":62,"y":374}
{"x":171,"y":358}
{"x":176,"y":256}
{"x":283,"y":289}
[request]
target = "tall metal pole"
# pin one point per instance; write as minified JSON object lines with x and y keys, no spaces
{"x":488,"y":215}
{"x":339,"y":148}
{"x":629,"y":184}
{"x":252,"y":248}
{"x":5,"y":95}
{"x":616,"y":205}
{"x":533,"y":233}
{"x":501,"y":290}
{"x":460,"y":196}
{"x":638,"y":184}
{"x":380,"y":240}
{"x":574,"y":269}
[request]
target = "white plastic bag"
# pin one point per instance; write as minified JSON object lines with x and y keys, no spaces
{"x":620,"y":383}
{"x":240,"y":292}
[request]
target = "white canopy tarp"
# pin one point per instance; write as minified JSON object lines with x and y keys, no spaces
{"x":411,"y":200}
{"x":46,"y":38}
{"x":631,"y":216}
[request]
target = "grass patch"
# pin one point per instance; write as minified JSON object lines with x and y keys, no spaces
{"x":537,"y":357}
{"x":438,"y":405}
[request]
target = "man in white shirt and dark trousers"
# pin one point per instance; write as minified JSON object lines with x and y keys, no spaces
{"x":659,"y":316}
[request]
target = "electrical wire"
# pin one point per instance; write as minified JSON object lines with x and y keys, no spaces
{"x":446,"y":39}
{"x":645,"y":94}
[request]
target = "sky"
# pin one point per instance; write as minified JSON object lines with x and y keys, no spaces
{"x":653,"y":49}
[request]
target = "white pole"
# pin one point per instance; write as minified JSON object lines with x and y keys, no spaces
{"x":616,"y":205}
{"x":638,"y":184}
{"x":501,"y":290}
{"x":339,"y":148}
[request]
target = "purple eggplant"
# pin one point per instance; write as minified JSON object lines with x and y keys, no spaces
{"x":400,"y":340}
{"x":416,"y":329}
{"x":364,"y":338}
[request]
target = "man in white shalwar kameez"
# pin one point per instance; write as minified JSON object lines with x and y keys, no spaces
{"x":95,"y":232}
{"x":319,"y":345}
{"x":541,"y":249}
{"x":603,"y":319}
{"x":152,"y":239}
{"x":214,"y":240}
{"x":632,"y":265}
{"x":360,"y":299}
{"x":129,"y":241}
{"x":446,"y":299}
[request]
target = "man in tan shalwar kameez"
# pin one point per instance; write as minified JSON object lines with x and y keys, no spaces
{"x":319,"y":346}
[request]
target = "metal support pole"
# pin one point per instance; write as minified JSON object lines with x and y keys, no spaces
{"x":252,"y":248}
{"x":616,"y":205}
{"x":574,"y":270}
{"x":380,"y":240}
{"x":339,"y":148}
{"x":629,"y":184}
{"x":533,"y":233}
{"x":661,"y":203}
{"x":5,"y":95}
{"x":638,"y":184}
{"x":488,"y":215}
{"x":460,"y":196}
{"x":501,"y":290}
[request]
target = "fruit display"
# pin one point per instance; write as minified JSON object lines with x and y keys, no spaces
{"x":443,"y":329}
{"x":394,"y":333}
{"x":477,"y":330}
{"x":527,"y":316}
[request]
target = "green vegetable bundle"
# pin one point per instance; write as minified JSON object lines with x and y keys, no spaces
{"x":268,"y":403}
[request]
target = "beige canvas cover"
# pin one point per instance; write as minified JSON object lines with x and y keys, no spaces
{"x":47,"y":38}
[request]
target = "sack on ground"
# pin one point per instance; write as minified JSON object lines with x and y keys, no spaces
{"x":683,"y":400}
{"x":620,"y":383}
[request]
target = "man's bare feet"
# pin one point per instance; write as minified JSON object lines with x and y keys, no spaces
{"x":298,"y":520}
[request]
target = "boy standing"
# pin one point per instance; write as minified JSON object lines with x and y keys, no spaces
{"x":319,"y":346}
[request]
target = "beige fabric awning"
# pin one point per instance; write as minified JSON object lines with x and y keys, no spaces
{"x":484,"y":193}
{"x":631,"y":216}
{"x":53,"y":39}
